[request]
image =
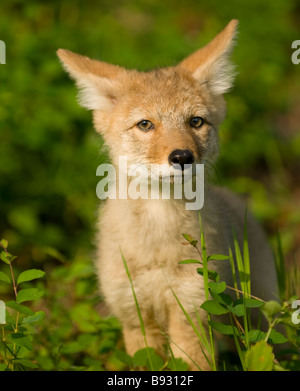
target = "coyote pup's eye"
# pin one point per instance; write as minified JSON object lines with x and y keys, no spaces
{"x":196,"y":122}
{"x":145,"y":125}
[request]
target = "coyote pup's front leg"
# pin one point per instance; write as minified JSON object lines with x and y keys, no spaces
{"x":185,"y":343}
{"x":135,"y":340}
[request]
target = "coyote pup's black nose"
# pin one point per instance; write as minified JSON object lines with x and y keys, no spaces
{"x":181,"y":156}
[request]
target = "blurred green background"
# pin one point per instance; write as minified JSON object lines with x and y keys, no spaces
{"x":48,"y":149}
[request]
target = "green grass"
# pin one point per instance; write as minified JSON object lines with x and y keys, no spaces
{"x":254,"y":347}
{"x":83,"y":340}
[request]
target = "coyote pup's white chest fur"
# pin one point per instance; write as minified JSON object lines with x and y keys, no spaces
{"x":168,"y":116}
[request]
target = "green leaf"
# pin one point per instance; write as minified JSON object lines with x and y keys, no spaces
{"x":276,"y":337}
{"x":47,"y":363}
{"x":177,"y":364}
{"x":259,"y":357}
{"x":6,"y":257}
{"x":222,"y":298}
{"x":81,"y":344}
{"x":186,"y":261}
{"x":140,"y":357}
{"x":222,"y":328}
{"x":238,"y":307}
{"x":3,"y":243}
{"x":3,"y":367}
{"x":20,"y":308}
{"x":29,"y":294}
{"x":252,"y":303}
{"x":143,"y":357}
{"x":71,"y":347}
{"x":217,"y":287}
{"x":26,"y":363}
{"x":214,"y":308}
{"x":188,"y":237}
{"x":192,"y":241}
{"x":21,"y":339}
{"x":271,"y":308}
{"x":30,"y":275}
{"x":156,"y":362}
{"x":33,"y":318}
{"x":256,"y":335}
{"x":212,"y":275}
{"x":217,"y":257}
{"x":124,"y":357}
{"x":4,"y":278}
{"x":237,"y":310}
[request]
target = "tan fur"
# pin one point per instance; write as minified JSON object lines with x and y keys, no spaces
{"x":149,"y":232}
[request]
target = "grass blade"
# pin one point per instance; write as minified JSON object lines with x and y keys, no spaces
{"x":237,"y":344}
{"x":200,"y":337}
{"x":206,"y":289}
{"x":280,"y":267}
{"x":143,"y":330}
{"x":233,"y":271}
{"x":246,"y":258}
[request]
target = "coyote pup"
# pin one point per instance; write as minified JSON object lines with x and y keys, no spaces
{"x":166,"y":116}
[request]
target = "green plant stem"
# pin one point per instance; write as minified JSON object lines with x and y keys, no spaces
{"x":138,"y":310}
{"x":231,"y":260}
{"x":200,"y":337}
{"x":206,"y":290}
{"x":168,"y":337}
{"x":268,"y":334}
{"x":205,"y":269}
{"x":13,"y":280}
{"x":4,"y":344}
{"x":271,"y":327}
{"x":238,"y":290}
{"x":246,"y":329}
{"x":17,"y":317}
{"x":239,"y":350}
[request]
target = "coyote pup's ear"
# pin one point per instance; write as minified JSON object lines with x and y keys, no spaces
{"x":98,"y":81}
{"x":211,"y":64}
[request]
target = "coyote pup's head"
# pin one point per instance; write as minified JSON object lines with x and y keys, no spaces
{"x":168,"y":115}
